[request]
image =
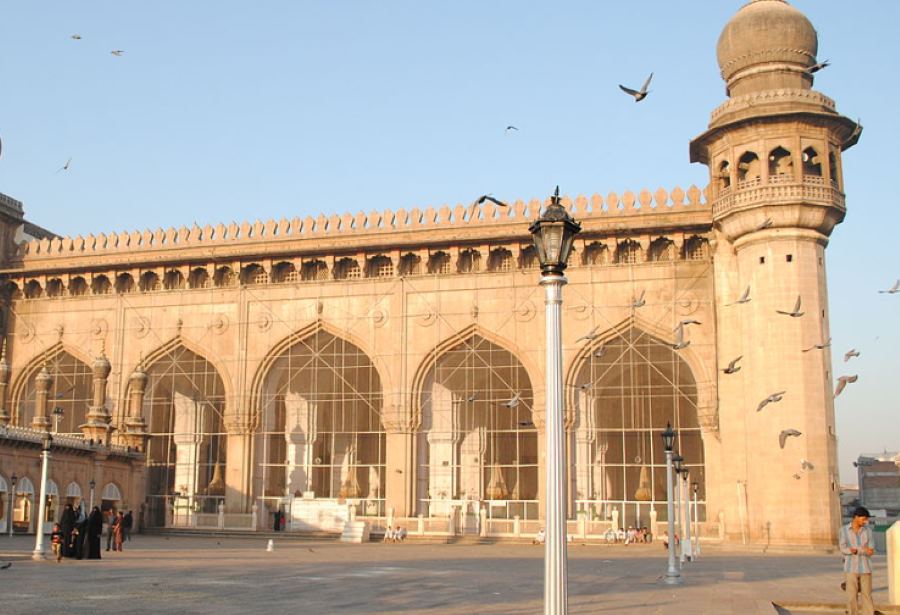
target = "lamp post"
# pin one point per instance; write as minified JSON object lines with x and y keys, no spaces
{"x":673,"y":574}
{"x":12,"y":502}
{"x":677,"y":460}
{"x":695,"y":487}
{"x":39,"y":553}
{"x":687,"y":547}
{"x":554,"y":232}
{"x":92,"y":484}
{"x":57,"y":415}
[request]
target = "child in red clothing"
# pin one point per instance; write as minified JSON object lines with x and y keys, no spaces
{"x":56,"y":537}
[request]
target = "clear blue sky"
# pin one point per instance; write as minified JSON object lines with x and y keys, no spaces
{"x":225,"y":110}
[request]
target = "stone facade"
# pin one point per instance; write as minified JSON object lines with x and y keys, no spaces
{"x":394,"y":359}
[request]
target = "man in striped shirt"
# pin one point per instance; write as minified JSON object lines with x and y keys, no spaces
{"x":857,"y":545}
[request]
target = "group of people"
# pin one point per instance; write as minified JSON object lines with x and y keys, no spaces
{"x":638,"y":534}
{"x":78,"y":535}
{"x":394,"y":535}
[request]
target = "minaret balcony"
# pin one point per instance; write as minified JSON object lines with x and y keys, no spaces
{"x":777,"y":190}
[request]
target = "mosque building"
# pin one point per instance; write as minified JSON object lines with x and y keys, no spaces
{"x":389,"y":366}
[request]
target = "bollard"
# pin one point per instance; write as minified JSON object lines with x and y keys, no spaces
{"x":893,"y":558}
{"x":271,"y":546}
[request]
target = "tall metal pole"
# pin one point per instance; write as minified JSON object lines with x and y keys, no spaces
{"x":39,"y":553}
{"x":688,"y":546}
{"x":696,"y":524}
{"x":679,"y":520}
{"x":555,"y":576}
{"x":10,"y":510}
{"x":673,"y":574}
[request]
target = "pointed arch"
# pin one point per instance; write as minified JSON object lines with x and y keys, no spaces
{"x":70,"y":387}
{"x":473,"y":402}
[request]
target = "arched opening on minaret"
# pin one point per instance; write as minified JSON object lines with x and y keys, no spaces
{"x":780,"y":163}
{"x":477,"y":443}
{"x":812,"y":164}
{"x":748,"y":167}
{"x":629,"y":386}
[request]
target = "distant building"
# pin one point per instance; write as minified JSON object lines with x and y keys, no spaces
{"x":879,"y":482}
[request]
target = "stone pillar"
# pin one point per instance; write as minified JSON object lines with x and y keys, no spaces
{"x":97,"y":426}
{"x":399,"y":482}
{"x":42,"y":381}
{"x":893,"y":559}
{"x":238,"y":466}
{"x":299,"y":435}
{"x":4,"y":383}
{"x":135,"y":432}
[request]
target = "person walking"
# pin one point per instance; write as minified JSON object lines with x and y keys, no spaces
{"x":857,"y":545}
{"x":109,"y":517}
{"x":118,"y":528}
{"x":127,"y":524}
{"x":94,"y":533}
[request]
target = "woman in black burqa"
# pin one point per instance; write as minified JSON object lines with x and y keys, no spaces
{"x":66,"y":525}
{"x":94,"y":532}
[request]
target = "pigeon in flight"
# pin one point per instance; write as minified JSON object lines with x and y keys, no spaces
{"x":512,"y":403}
{"x":893,"y":289}
{"x":585,"y":386}
{"x":797,"y":476}
{"x":589,"y":336}
{"x":75,"y":37}
{"x":679,"y":339}
{"x":733,"y":367}
{"x":638,"y":95}
{"x":853,"y":352}
{"x":117,"y":52}
{"x":511,"y":127}
{"x":796,"y":313}
{"x":787,"y":433}
{"x":482,"y":199}
{"x":639,"y":301}
{"x":771,"y":399}
{"x":817,"y":67}
{"x":819,"y":346}
{"x":689,"y":321}
{"x":472,"y":397}
{"x":843,"y":381}
{"x":764,"y":224}
{"x":598,"y":354}
{"x":526,"y":423}
{"x":806,"y":465}
{"x":745,"y":297}
{"x":66,"y":166}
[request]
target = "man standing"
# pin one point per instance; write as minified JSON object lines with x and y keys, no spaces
{"x":857,"y":545}
{"x":127,"y":523}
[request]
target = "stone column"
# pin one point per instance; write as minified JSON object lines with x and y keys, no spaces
{"x":4,"y":384}
{"x":97,"y":426}
{"x":400,"y":433}
{"x":135,"y":432}
{"x":42,"y":381}
{"x":238,"y":466}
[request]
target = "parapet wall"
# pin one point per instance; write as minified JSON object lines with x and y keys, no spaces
{"x":445,"y":218}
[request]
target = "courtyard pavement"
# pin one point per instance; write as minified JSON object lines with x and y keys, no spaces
{"x":159,"y":574}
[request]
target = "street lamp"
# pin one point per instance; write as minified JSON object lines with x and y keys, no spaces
{"x":695,"y":487}
{"x":57,"y":415}
{"x":687,"y":547}
{"x":673,"y":574}
{"x":677,"y":461}
{"x":12,"y":502}
{"x":92,"y":484}
{"x":554,"y":233}
{"x":39,"y":553}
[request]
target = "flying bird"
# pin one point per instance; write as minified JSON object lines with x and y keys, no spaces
{"x":689,"y":321}
{"x":764,"y":224}
{"x":771,"y":399}
{"x":526,"y":423}
{"x":853,"y":352}
{"x":680,"y":343}
{"x":817,"y":67}
{"x":511,"y":127}
{"x":639,"y":301}
{"x":117,"y":52}
{"x":638,"y":95}
{"x":75,"y":37}
{"x":843,"y":381}
{"x":733,"y":367}
{"x":66,"y":166}
{"x":472,"y":397}
{"x":787,"y":433}
{"x":601,"y":350}
{"x":893,"y":289}
{"x":482,"y":199}
{"x":512,"y":403}
{"x":585,"y":386}
{"x":797,"y":476}
{"x":590,"y":335}
{"x":819,"y":346}
{"x":745,"y":297}
{"x":795,"y":313}
{"x":806,"y":465}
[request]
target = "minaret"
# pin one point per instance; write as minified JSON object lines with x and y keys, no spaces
{"x":774,"y":154}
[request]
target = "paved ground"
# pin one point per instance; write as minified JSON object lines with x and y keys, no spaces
{"x":237,"y":575}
